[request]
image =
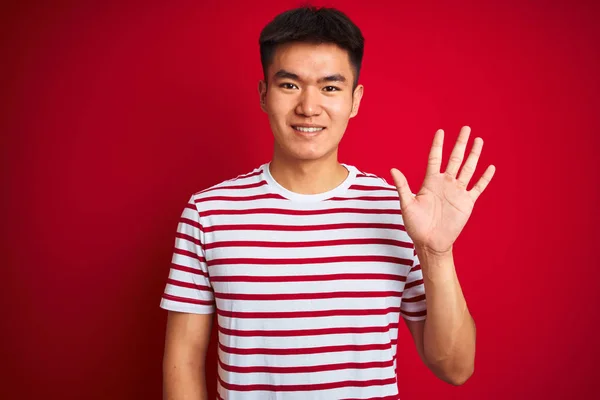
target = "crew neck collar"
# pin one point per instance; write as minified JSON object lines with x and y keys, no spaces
{"x":288,"y":194}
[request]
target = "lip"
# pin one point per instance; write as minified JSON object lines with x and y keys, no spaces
{"x":309,"y":125}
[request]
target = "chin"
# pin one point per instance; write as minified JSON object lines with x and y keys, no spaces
{"x":308,"y":155}
{"x":304,"y":151}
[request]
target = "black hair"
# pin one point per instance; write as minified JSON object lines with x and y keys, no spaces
{"x":310,"y":24}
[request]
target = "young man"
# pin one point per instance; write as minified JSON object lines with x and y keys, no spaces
{"x":309,"y":263}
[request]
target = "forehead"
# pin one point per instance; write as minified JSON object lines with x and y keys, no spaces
{"x":311,"y":61}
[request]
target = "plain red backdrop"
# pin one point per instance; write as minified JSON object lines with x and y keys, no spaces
{"x":113,"y":114}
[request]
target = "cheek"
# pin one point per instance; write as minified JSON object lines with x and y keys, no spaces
{"x":278,"y":104}
{"x":339,"y":109}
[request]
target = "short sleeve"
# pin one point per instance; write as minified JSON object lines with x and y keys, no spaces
{"x":413,"y":306}
{"x":188,"y":287}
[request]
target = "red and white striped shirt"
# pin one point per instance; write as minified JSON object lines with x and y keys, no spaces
{"x":308,"y":289}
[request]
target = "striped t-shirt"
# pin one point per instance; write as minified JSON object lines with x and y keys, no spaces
{"x":308,"y":289}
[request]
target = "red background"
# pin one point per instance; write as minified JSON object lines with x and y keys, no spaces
{"x":112,"y":115}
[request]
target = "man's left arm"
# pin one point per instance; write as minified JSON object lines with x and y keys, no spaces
{"x":434,"y":218}
{"x":445,"y":340}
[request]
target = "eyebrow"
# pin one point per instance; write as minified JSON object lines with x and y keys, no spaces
{"x":283,"y":74}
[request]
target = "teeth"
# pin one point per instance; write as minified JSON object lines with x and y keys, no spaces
{"x":308,"y":130}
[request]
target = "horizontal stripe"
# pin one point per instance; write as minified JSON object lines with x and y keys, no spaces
{"x":307,"y":278}
{"x":319,"y":243}
{"x":189,"y":238}
{"x":370,"y":188}
{"x":394,"y":397}
{"x":188,"y":253}
{"x":234,"y":187}
{"x":413,"y":299}
{"x":189,"y":269}
{"x":191,"y":222}
{"x":307,"y":314}
{"x":248,"y":175}
{"x":202,"y":288}
{"x":414,"y":313}
{"x":241,"y":198}
{"x":315,"y":260}
{"x":307,"y":368}
{"x":308,"y":350}
{"x":306,"y":387}
{"x":305,"y":296}
{"x":275,"y":196}
{"x":283,"y":211}
{"x":270,"y":227}
{"x":369,"y":198}
{"x":308,"y":332}
{"x":413,"y":284}
{"x":187,"y":300}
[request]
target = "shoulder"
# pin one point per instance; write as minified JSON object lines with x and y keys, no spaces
{"x":367,"y":179}
{"x":246,"y":180}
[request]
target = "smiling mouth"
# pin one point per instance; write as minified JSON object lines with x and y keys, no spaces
{"x":308,"y":129}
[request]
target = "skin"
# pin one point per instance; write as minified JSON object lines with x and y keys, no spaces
{"x":309,"y":84}
{"x":312,"y":85}
{"x":434,"y":218}
{"x":184,"y":360}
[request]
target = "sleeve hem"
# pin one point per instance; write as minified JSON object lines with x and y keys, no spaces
{"x":193,"y":309}
{"x":420,"y":318}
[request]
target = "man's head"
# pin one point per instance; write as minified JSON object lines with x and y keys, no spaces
{"x":311,"y":62}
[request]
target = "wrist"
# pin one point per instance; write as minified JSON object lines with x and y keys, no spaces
{"x":437,"y":267}
{"x":428,"y":253}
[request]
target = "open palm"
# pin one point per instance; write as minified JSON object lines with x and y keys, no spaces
{"x":436,"y":215}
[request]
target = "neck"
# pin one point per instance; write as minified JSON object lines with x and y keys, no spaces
{"x":308,"y":176}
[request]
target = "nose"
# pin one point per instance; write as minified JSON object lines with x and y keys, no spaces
{"x":308,"y":103}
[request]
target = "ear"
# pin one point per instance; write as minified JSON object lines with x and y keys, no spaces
{"x":262,"y":92}
{"x":356,"y":98}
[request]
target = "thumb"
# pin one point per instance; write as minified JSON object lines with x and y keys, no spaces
{"x":406,"y":196}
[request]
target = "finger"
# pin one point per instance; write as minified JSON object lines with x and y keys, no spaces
{"x":482,"y":183}
{"x":434,"y":164}
{"x":458,"y":152}
{"x":467,"y":171}
{"x":406,"y":196}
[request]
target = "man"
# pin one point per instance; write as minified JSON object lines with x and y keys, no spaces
{"x":309,"y":263}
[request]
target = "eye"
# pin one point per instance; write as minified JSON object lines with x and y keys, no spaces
{"x":288,"y":86}
{"x":331,"y":89}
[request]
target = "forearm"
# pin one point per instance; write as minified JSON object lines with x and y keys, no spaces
{"x":449,"y":330}
{"x":183,"y":381}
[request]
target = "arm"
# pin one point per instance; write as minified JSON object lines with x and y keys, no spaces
{"x":445,"y":341}
{"x":433,"y":219}
{"x":186,"y":341}
{"x":189,"y":298}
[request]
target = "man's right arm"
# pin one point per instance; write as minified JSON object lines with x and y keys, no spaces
{"x":184,"y":361}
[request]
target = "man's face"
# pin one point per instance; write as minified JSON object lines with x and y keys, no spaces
{"x":309,"y":99}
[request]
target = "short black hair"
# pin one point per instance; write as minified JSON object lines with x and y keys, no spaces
{"x":310,"y":24}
